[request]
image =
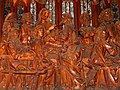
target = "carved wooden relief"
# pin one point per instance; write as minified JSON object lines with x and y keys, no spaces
{"x":45,"y":57}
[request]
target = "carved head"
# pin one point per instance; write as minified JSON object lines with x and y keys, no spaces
{"x":84,"y":19}
{"x":106,"y":16}
{"x":27,"y":18}
{"x":13,"y":34}
{"x":44,"y":15}
{"x":100,"y":34}
{"x":117,"y":25}
{"x":67,"y":18}
{"x":67,"y":15}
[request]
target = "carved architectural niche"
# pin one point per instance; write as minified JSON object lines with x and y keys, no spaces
{"x":95,"y":2}
{"x":41,"y":1}
{"x":25,"y":1}
{"x":1,"y":15}
{"x":20,"y":4}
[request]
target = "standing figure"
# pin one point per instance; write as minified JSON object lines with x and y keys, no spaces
{"x":86,"y":34}
{"x":70,"y":53}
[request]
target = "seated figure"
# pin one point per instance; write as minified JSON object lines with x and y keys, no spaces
{"x":9,"y":23}
{"x":26,"y":27}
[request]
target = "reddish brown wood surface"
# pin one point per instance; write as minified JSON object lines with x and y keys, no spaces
{"x":11,"y":5}
{"x":75,"y":3}
{"x":58,"y":12}
{"x":119,"y":6}
{"x":95,"y":14}
{"x":47,"y":57}
{"x":28,"y":5}
{"x":78,"y":12}
{"x":1,"y":15}
{"x":107,"y":3}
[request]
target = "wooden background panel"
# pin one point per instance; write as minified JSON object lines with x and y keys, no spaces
{"x":1,"y":16}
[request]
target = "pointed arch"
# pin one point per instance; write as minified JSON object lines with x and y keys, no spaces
{"x":20,"y":3}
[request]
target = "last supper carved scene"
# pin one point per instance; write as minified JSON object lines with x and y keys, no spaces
{"x":59,"y":44}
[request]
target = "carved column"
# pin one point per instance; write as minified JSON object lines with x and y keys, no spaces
{"x":119,"y":6}
{"x":28,"y":5}
{"x":58,"y":12}
{"x":76,"y":15}
{"x":39,"y":6}
{"x":11,"y":6}
{"x":95,"y":14}
{"x":1,"y":15}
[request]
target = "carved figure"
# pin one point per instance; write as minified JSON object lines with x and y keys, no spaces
{"x":117,"y":38}
{"x":98,"y":58}
{"x":86,"y":34}
{"x":10,"y":22}
{"x":44,"y":19}
{"x":45,"y":57}
{"x":26,"y":26}
{"x":106,"y":19}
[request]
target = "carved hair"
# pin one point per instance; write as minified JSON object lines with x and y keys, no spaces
{"x":26,"y":17}
{"x":41,"y":15}
{"x":84,"y":18}
{"x":67,"y":15}
{"x":106,"y":16}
